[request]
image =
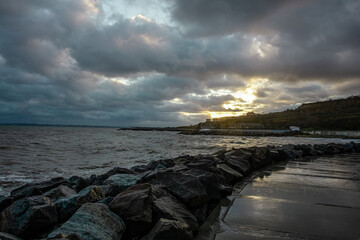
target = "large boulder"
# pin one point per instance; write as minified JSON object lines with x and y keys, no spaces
{"x":7,"y":236}
{"x":122,"y":181}
{"x":231,"y":175}
{"x":99,"y":180}
{"x":60,"y":192}
{"x":182,"y":185}
{"x":93,"y":221}
{"x":78,"y":183}
{"x":29,"y":217}
{"x":166,"y":163}
{"x":169,"y":229}
{"x":239,"y":160}
{"x":67,"y":206}
{"x":143,"y":204}
{"x":39,"y":188}
{"x":5,"y":202}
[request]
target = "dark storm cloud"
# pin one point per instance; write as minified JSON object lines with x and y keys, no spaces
{"x":65,"y":62}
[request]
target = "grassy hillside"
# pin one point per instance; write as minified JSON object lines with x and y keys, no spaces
{"x":341,"y":114}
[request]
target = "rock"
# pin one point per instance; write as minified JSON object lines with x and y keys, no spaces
{"x":134,"y":205}
{"x":90,"y":180}
{"x":122,"y":181}
{"x":64,"y":237}
{"x":5,"y":202}
{"x":306,"y":149}
{"x":170,"y":208}
{"x":110,"y":190}
{"x":169,"y":229}
{"x":60,"y":192}
{"x":261,"y":154}
{"x":298,"y":153}
{"x":231,"y":175}
{"x":29,"y":217}
{"x":78,"y":183}
{"x":117,"y":170}
{"x":357,"y":147}
{"x":239,"y":161}
{"x":139,"y":168}
{"x":153,"y":165}
{"x":210,"y":181}
{"x":142,"y":205}
{"x":32,"y":189}
{"x":67,"y":206}
{"x":200,"y":214}
{"x":7,"y":236}
{"x":93,"y":221}
{"x":106,"y":201}
{"x":182,"y":185}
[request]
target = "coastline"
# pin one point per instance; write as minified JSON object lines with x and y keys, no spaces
{"x":177,"y":194}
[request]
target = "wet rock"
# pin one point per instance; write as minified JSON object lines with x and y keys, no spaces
{"x":61,"y":236}
{"x":106,"y":201}
{"x":239,"y":161}
{"x":143,"y":204}
{"x":122,"y":181}
{"x":5,"y":202}
{"x":90,"y":180}
{"x":32,"y":189}
{"x":99,"y":180}
{"x":231,"y":175}
{"x":182,"y":185}
{"x":169,"y":207}
{"x":169,"y":229}
{"x":139,"y":168}
{"x":7,"y":236}
{"x":298,"y":153}
{"x":261,"y":155}
{"x":134,"y":205}
{"x":306,"y":149}
{"x":93,"y":221}
{"x":201,"y":214}
{"x":78,"y":183}
{"x":67,"y":206}
{"x":159,"y":164}
{"x":29,"y":217}
{"x":357,"y":147}
{"x":60,"y":192}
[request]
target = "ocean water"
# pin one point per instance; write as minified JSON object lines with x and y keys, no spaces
{"x":32,"y":153}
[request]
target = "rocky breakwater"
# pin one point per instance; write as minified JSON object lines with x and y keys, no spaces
{"x":166,"y":199}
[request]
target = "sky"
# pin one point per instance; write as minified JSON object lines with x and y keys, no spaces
{"x":172,"y":62}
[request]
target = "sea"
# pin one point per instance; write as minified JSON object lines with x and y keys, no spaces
{"x":36,"y":153}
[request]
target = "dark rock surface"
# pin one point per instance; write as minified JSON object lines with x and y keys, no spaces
{"x":5,"y":202}
{"x":99,"y":180}
{"x":93,"y":221}
{"x":143,"y":204}
{"x":169,"y":229}
{"x":7,"y":236}
{"x":78,"y":183}
{"x":60,"y":192}
{"x":67,"y":206}
{"x":32,"y":189}
{"x":29,"y":216}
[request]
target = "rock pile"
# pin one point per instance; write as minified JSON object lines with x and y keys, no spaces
{"x":165,"y":199}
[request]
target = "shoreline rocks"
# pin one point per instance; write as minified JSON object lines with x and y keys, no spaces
{"x":164,"y":199}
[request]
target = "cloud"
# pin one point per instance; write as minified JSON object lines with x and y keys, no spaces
{"x":83,"y":62}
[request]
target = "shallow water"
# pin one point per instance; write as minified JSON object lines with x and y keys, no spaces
{"x":29,"y":153}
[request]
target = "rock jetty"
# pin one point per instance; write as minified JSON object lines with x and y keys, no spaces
{"x":165,"y":199}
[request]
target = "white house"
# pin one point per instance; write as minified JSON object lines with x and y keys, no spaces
{"x":295,"y":128}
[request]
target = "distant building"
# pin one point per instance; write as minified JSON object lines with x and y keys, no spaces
{"x":250,"y":126}
{"x":295,"y":128}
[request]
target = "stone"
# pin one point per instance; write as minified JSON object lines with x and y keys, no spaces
{"x":142,"y":205}
{"x":78,"y":183}
{"x":67,"y":206}
{"x":5,"y":202}
{"x":139,"y":168}
{"x":166,"y":163}
{"x":60,"y":192}
{"x":169,"y":229}
{"x":39,"y":188}
{"x":7,"y":236}
{"x":29,"y":217}
{"x":230,"y":174}
{"x":122,"y":181}
{"x":182,"y":185}
{"x":106,"y":200}
{"x":134,"y":206}
{"x":117,"y":170}
{"x":93,"y":221}
{"x":61,"y":236}
{"x":170,"y":208}
{"x":239,"y":161}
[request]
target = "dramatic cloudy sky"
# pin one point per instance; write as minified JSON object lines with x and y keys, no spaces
{"x":172,"y":62}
